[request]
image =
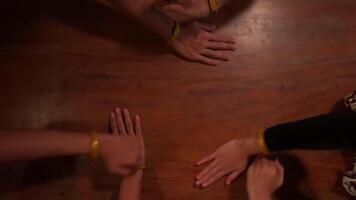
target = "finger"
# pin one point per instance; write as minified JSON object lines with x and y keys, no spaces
{"x":113,"y":124}
{"x":258,"y":164}
{"x":128,"y":122}
{"x":138,"y":126}
{"x":120,"y":121}
{"x":279,"y":166}
{"x":208,"y":176}
{"x":206,"y":60}
{"x":251,"y":168}
{"x":221,"y":55}
{"x":280,"y":171}
{"x":213,"y":179}
{"x":220,"y":38}
{"x":264,"y":164}
{"x":124,"y":171}
{"x":130,"y":165}
{"x":232,"y":177}
{"x":221,"y":46}
{"x":207,"y":169}
{"x":206,"y":159}
{"x":173,"y":8}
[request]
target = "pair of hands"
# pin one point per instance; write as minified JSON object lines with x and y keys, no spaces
{"x":263,"y":178}
{"x":197,"y":42}
{"x":231,"y":159}
{"x":123,"y":151}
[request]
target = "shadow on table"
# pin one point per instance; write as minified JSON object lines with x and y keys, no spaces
{"x":294,"y":187}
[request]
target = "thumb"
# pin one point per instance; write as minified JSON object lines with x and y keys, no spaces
{"x":174,"y":7}
{"x":280,"y":171}
{"x":232,"y":177}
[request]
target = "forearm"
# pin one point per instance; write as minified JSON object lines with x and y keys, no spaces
{"x":332,"y":131}
{"x":130,"y":188}
{"x":26,"y":145}
{"x":157,"y":22}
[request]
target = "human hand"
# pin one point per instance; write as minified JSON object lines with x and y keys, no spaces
{"x":183,"y":10}
{"x":196,"y":43}
{"x":230,"y":158}
{"x":123,"y":152}
{"x":264,"y":177}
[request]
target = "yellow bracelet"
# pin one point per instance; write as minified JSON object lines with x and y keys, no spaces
{"x":261,"y":142}
{"x":175,"y":34}
{"x":213,"y":6}
{"x":94,"y":145}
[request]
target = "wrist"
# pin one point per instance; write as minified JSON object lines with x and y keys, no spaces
{"x":251,"y":145}
{"x":103,"y":139}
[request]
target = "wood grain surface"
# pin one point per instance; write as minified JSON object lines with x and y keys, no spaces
{"x":65,"y":65}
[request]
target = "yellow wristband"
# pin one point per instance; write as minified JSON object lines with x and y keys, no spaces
{"x":94,"y":145}
{"x":213,"y":6}
{"x":175,"y":33}
{"x":261,"y":142}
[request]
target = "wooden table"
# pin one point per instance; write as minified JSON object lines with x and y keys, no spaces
{"x":65,"y":65}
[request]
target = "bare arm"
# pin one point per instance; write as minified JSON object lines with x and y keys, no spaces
{"x":185,"y":10}
{"x":126,"y":126}
{"x":25,"y":145}
{"x":130,"y":188}
{"x":195,"y":42}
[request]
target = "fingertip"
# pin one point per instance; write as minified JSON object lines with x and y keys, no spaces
{"x":137,"y":117}
{"x":213,"y":63}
